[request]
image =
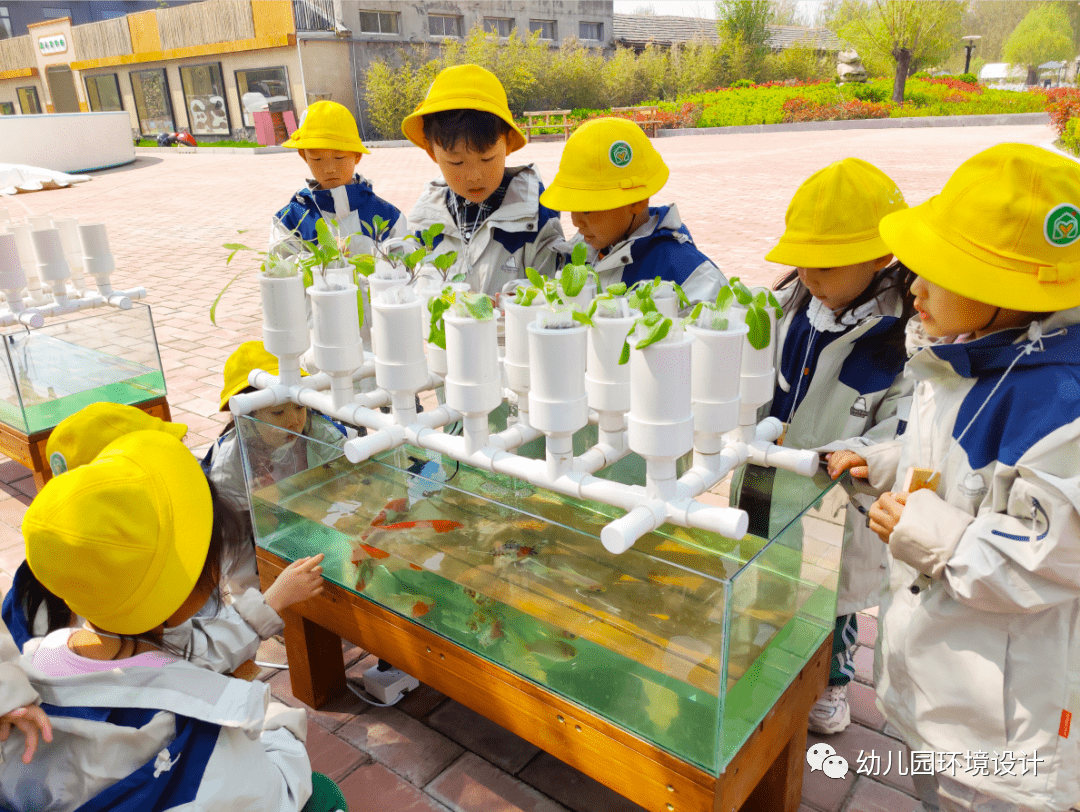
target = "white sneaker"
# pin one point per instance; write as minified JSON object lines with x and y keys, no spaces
{"x":831,"y":713}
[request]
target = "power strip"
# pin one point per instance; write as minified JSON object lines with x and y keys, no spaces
{"x":388,"y":686}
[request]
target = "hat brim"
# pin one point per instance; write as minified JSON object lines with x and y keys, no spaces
{"x":915,"y":242}
{"x":413,"y":125}
{"x":560,"y":197}
{"x":326,"y":143}
{"x":820,"y":254}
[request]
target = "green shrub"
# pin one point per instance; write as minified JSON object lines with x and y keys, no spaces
{"x":1070,"y":139}
{"x":970,"y":78}
{"x":742,"y":83}
{"x":393,"y":93}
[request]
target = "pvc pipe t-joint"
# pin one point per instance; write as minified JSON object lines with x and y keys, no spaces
{"x":620,"y":535}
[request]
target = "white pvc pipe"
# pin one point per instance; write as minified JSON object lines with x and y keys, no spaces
{"x":801,"y":462}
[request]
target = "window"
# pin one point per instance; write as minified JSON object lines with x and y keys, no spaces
{"x":103,"y":92}
{"x":7,"y":108}
{"x":499,"y":25}
{"x":204,"y":95}
{"x":545,"y":27}
{"x":378,"y":22}
{"x":441,"y":25}
{"x":259,"y":88}
{"x":152,"y":103}
{"x":55,"y":13}
{"x":28,"y":100}
{"x":5,"y":23}
{"x":591,"y":31}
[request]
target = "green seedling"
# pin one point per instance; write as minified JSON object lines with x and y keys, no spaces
{"x":464,"y":303}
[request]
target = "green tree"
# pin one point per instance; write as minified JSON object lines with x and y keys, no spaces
{"x":1044,"y":34}
{"x":748,"y":20}
{"x":914,"y":33}
{"x":392,"y":93}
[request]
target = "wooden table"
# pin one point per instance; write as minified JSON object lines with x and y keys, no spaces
{"x":29,"y":449}
{"x":536,"y":120}
{"x":766,"y":774}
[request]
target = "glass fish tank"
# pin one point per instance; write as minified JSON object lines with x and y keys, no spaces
{"x":687,"y":640}
{"x":51,"y":372}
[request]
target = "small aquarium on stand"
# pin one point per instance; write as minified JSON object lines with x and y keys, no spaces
{"x":687,"y":640}
{"x":55,"y":370}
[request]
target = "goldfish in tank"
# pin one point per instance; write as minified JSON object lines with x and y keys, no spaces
{"x":555,"y":650}
{"x":409,"y":605}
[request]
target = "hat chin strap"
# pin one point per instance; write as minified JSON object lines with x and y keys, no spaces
{"x":997,"y":312}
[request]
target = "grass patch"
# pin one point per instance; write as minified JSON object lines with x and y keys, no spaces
{"x":150,"y":142}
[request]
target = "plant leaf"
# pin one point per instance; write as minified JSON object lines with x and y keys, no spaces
{"x":742,"y":293}
{"x":364,"y":264}
{"x":724,"y":299}
{"x":616,"y":289}
{"x":758,"y":322}
{"x":534,"y":277}
{"x":573,"y":279}
{"x":213,"y":307}
{"x":479,"y":306}
{"x":579,"y":254}
{"x":624,"y":356}
{"x":657,"y":331}
{"x":581,"y":318}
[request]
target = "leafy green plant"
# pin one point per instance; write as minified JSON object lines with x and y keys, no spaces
{"x":556,"y":291}
{"x":408,"y":264}
{"x":464,"y":304}
{"x":642,"y":297}
{"x":757,"y":305}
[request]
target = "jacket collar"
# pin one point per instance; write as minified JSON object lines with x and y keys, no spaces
{"x":518,"y":211}
{"x":1054,"y":340}
{"x":180,"y":688}
{"x":323,"y":199}
{"x":663,"y":224}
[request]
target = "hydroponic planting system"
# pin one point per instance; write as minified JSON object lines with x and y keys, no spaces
{"x":58,"y":254}
{"x":696,"y":389}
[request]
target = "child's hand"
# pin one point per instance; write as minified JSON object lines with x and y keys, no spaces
{"x":840,"y":461}
{"x":885,"y":513}
{"x":29,"y":719}
{"x":301,"y":580}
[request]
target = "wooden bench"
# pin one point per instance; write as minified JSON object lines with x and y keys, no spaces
{"x":645,"y":117}
{"x":536,"y":120}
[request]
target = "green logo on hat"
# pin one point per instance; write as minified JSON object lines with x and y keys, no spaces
{"x":1062,"y":225}
{"x":620,"y":154}
{"x":57,"y":463}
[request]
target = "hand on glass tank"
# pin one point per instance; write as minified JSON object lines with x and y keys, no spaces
{"x":301,"y":580}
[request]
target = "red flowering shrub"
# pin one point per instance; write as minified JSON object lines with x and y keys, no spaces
{"x":1063,"y":104}
{"x":957,"y":84}
{"x":800,"y":109}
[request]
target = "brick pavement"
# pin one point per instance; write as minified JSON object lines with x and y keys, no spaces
{"x":168,"y":216}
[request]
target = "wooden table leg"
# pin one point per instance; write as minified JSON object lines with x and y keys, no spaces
{"x":316,"y":662}
{"x":780,"y":789}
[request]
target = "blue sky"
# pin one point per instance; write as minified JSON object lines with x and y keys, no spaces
{"x":692,"y":8}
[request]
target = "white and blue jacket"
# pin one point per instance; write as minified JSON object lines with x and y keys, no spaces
{"x":979,"y":647}
{"x":148,"y":739}
{"x":519,"y":234}
{"x":662,"y":247}
{"x":349,"y":206}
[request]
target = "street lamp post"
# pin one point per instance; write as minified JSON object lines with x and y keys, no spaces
{"x":969,"y":46}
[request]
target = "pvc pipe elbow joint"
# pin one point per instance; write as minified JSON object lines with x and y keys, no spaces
{"x":250,"y":401}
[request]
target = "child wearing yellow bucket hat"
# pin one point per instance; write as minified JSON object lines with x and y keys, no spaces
{"x":277,"y":446}
{"x":608,"y":172}
{"x":979,"y":632}
{"x":840,"y":351}
{"x":132,"y":541}
{"x":491,"y":215}
{"x":220,"y":637}
{"x":330,"y":145}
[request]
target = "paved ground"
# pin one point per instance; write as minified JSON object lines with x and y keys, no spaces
{"x":168,"y":216}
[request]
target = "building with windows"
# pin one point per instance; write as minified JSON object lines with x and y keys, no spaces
{"x":207,"y":67}
{"x":639,"y":30}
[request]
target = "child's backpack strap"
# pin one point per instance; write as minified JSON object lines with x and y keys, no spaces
{"x":12,"y":611}
{"x":170,"y":779}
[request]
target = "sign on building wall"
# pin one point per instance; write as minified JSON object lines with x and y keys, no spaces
{"x":52,"y":44}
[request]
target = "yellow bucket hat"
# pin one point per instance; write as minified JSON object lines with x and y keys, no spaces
{"x":606,"y":163}
{"x":77,"y":439}
{"x":248,"y":356}
{"x":1004,"y":231}
{"x":327,"y":125}
{"x":123,"y":539}
{"x":833,"y":218}
{"x":463,"y":87}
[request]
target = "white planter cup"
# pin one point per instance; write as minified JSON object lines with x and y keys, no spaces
{"x":336,"y":329}
{"x":97,"y":257}
{"x":12,"y":275}
{"x":758,"y":375}
{"x":715,"y":366}
{"x":606,"y":381}
{"x":397,"y":330}
{"x":516,"y":322}
{"x":472,"y":382}
{"x":51,"y":262}
{"x":661,"y":422}
{"x":557,"y":399}
{"x":69,"y":236}
{"x":285,"y":330}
